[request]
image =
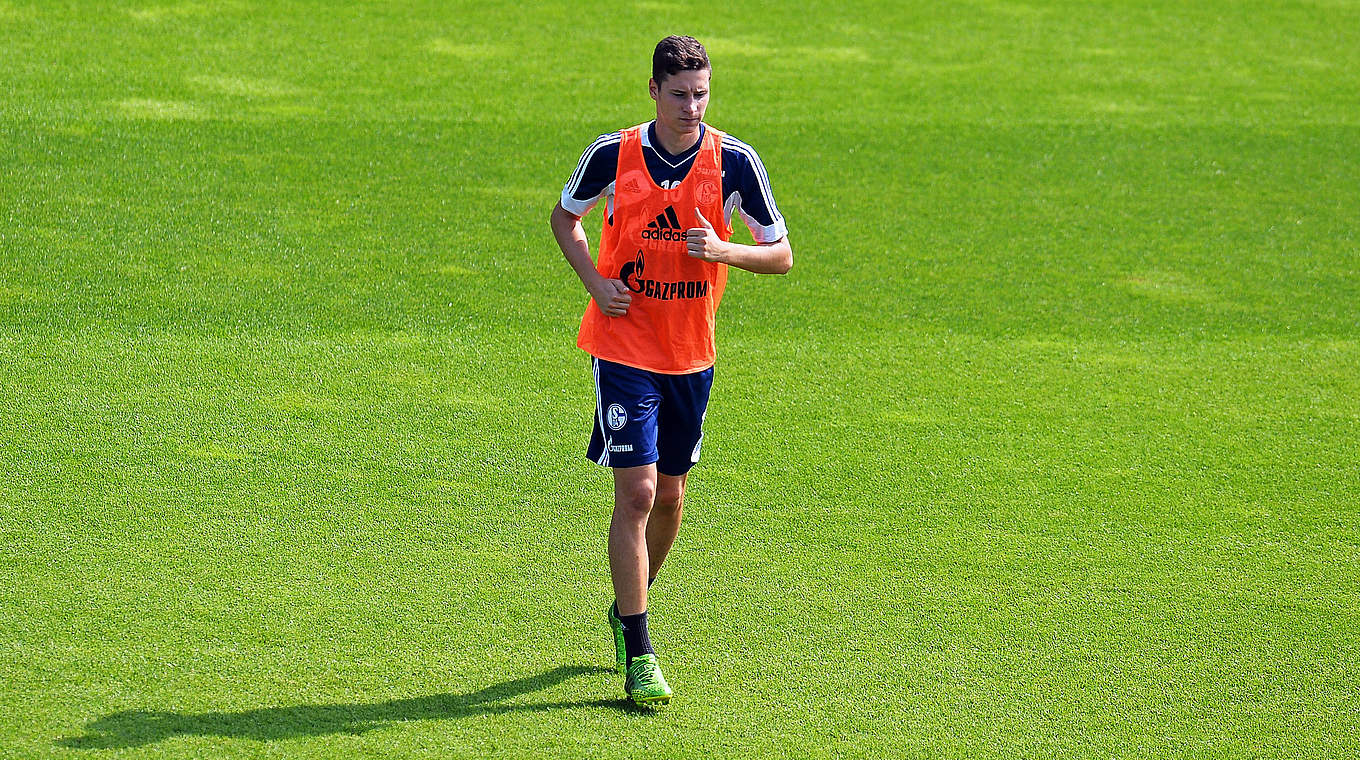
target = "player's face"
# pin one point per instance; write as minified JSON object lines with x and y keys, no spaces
{"x":681,"y":100}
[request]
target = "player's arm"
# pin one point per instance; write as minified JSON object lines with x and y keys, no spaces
{"x":611,"y":296}
{"x":763,"y":258}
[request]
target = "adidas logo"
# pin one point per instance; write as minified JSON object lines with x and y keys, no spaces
{"x":664,"y":227}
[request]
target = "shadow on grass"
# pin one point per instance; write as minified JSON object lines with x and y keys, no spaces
{"x":136,"y":728}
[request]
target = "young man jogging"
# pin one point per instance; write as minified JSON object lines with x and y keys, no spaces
{"x":670,"y":188}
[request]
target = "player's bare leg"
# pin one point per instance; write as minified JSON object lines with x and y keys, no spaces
{"x":634,"y":495}
{"x":663,"y":525}
{"x":635,"y":491}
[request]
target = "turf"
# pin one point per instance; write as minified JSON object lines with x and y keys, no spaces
{"x":1045,"y":448}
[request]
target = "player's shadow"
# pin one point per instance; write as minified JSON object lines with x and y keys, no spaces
{"x":136,"y":728}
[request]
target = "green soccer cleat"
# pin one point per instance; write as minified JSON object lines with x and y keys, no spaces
{"x":644,"y":684}
{"x":620,"y":651}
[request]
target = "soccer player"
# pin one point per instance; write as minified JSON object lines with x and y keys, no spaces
{"x":670,"y":187}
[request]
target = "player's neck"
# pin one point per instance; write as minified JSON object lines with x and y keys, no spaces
{"x":675,"y":143}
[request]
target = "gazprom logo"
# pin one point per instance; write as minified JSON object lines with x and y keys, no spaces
{"x":631,"y":275}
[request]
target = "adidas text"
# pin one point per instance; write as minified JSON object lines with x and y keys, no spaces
{"x":655,"y":234}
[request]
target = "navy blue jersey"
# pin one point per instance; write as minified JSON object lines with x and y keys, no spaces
{"x":746,"y":188}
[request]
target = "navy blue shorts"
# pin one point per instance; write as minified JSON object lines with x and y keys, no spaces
{"x":643,"y":417}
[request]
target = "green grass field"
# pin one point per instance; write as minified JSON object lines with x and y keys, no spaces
{"x":1046,"y":448}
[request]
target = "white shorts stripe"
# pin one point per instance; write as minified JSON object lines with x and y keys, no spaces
{"x":599,"y":412}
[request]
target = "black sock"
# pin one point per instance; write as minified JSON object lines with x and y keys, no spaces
{"x":635,"y":639}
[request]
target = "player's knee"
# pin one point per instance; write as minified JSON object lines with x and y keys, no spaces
{"x":669,"y":500}
{"x":637,"y":498}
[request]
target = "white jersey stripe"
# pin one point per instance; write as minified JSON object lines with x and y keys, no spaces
{"x":762,"y":179}
{"x":600,"y":142}
{"x":589,"y":153}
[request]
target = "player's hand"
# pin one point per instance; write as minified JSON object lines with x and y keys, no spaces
{"x":613,"y":298}
{"x":703,"y":242}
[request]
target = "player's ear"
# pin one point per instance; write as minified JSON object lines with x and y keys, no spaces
{"x":653,"y":88}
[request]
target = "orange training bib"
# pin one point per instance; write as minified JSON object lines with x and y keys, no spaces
{"x":669,"y":326}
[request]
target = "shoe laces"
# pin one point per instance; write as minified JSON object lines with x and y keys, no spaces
{"x":647,"y":673}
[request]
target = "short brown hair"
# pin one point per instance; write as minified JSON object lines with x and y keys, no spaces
{"x":676,"y":54}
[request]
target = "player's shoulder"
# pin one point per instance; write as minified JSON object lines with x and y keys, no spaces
{"x":605,"y":145}
{"x":737,"y":150}
{"x":730,"y":140}
{"x":597,"y":165}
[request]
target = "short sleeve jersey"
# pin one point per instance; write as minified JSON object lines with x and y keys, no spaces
{"x":746,"y":188}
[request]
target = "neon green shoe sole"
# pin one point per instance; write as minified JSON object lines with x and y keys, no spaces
{"x":620,"y":651}
{"x":644,"y":684}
